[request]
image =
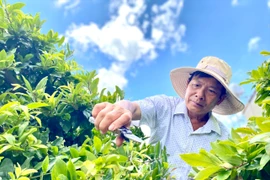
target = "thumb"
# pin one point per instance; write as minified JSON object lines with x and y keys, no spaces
{"x":119,"y":140}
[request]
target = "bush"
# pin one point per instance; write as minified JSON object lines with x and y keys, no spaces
{"x":45,"y":97}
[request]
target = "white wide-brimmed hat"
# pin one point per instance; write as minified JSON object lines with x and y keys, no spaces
{"x":217,"y":68}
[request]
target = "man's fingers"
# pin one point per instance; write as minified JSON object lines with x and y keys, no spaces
{"x":97,"y":108}
{"x":110,"y":117}
{"x":119,"y":140}
{"x":123,"y":120}
{"x":104,"y":118}
{"x":114,"y":120}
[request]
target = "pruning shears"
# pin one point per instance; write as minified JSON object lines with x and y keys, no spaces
{"x":124,"y":132}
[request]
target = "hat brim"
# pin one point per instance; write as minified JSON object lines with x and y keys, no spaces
{"x":230,"y":105}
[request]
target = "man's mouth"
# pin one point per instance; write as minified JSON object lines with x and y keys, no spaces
{"x":197,"y":104}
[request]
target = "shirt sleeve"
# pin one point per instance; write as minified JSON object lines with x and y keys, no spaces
{"x":154,"y":110}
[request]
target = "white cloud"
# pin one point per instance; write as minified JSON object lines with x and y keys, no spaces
{"x":67,"y":4}
{"x":232,"y":121}
{"x":237,"y":90}
{"x":125,"y":37}
{"x":121,"y":41}
{"x":235,"y":2}
{"x":109,"y":78}
{"x":165,"y":29}
{"x":253,"y":43}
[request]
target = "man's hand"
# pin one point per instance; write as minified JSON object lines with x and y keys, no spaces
{"x":111,"y":117}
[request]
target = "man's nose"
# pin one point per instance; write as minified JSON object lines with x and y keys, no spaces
{"x":200,"y":94}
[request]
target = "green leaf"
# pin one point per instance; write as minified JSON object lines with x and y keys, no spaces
{"x":266,"y":100}
{"x":16,"y":86}
{"x":42,"y":83}
{"x":94,"y":85}
{"x":246,"y":82}
{"x":260,"y":121}
{"x":97,"y":144}
{"x":222,"y":175}
{"x":196,"y":160}
{"x":2,"y":13}
{"x":22,"y":128}
{"x":3,"y":25}
{"x":27,"y":163}
{"x":5,"y":147}
{"x":12,"y":176}
{"x":54,"y":150}
{"x":74,"y":152}
{"x":28,"y":171}
{"x":260,"y":138}
{"x":26,"y":112}
{"x":264,"y":160}
{"x":226,"y":153}
{"x":26,"y":134}
{"x":207,"y":172}
{"x":40,"y":146}
{"x":71,"y":171}
{"x":155,"y":173}
{"x":3,"y":55}
{"x":235,"y":136}
{"x":81,"y":174}
{"x":45,"y":164}
{"x":101,"y":96}
{"x":28,"y":57}
{"x":211,"y":156}
{"x":222,"y":149}
{"x":50,"y":34}
{"x":265,"y":53}
{"x":267,"y":149}
{"x":116,"y":158}
{"x":62,"y":177}
{"x":234,"y":160}
{"x":36,"y":105}
{"x":61,"y":41}
{"x":90,"y":156}
{"x":38,"y":121}
{"x":10,"y":138}
{"x":17,"y":6}
{"x":27,"y":84}
{"x":59,"y":168}
{"x":256,"y":152}
{"x":6,"y":166}
{"x":245,"y":130}
{"x":106,"y":147}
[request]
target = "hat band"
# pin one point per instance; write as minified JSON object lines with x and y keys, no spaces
{"x":220,"y":73}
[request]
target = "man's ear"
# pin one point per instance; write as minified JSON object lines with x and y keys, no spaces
{"x":221,"y":99}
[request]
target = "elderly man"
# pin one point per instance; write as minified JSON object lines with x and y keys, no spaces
{"x":183,"y":124}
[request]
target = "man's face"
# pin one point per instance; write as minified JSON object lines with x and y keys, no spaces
{"x":202,"y":95}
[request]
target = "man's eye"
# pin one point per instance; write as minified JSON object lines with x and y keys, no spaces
{"x":195,"y":85}
{"x":212,"y":91}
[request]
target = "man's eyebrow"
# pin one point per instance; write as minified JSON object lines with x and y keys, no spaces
{"x":216,"y":87}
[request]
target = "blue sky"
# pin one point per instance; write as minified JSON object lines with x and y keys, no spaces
{"x":135,"y":43}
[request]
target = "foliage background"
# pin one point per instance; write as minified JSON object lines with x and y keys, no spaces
{"x":45,"y":103}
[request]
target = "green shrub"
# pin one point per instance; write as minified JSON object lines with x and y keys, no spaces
{"x":44,"y":133}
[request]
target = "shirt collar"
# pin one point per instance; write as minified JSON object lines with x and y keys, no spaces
{"x":211,"y":125}
{"x":181,"y":108}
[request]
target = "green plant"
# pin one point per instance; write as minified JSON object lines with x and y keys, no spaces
{"x":246,"y":154}
{"x":44,"y":133}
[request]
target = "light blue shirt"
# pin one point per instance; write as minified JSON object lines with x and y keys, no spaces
{"x":169,"y":123}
